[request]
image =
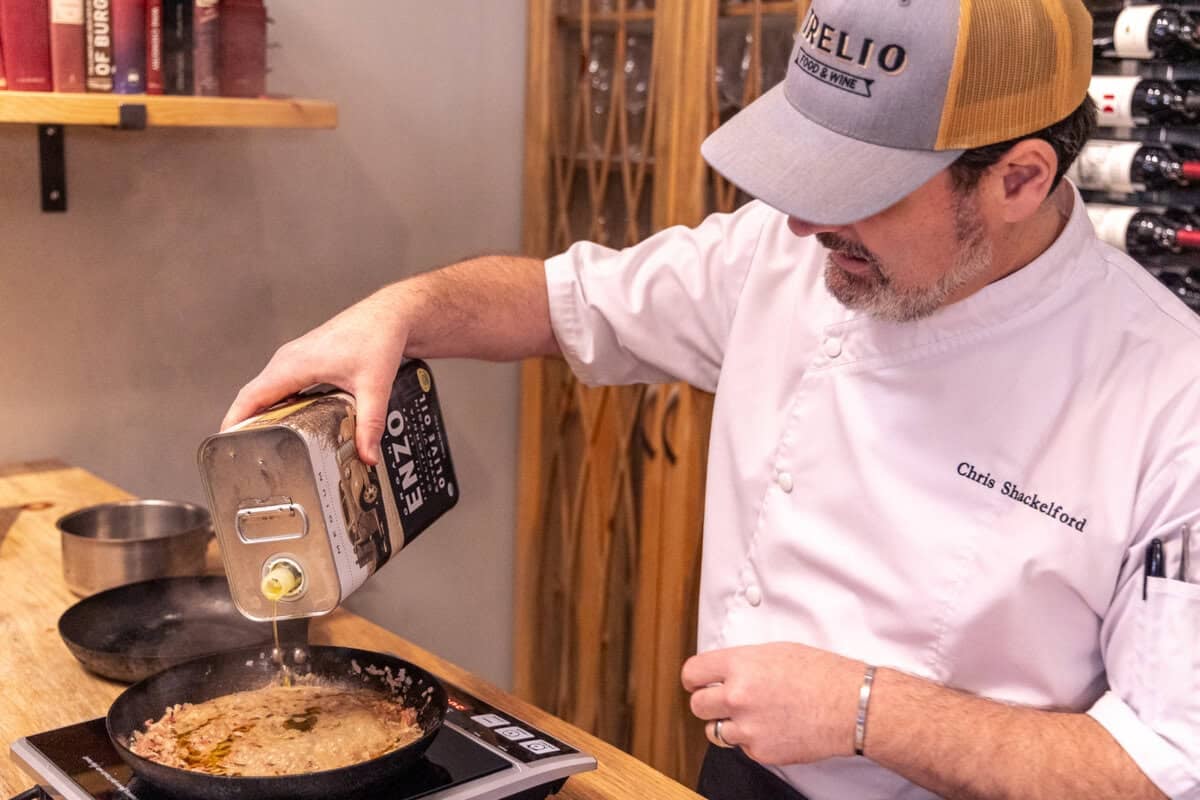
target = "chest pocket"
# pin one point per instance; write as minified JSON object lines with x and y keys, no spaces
{"x":1168,"y":660}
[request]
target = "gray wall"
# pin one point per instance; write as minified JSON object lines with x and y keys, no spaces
{"x":187,"y":256}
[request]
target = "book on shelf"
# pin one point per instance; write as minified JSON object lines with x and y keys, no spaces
{"x":25,"y":30}
{"x":98,"y":44}
{"x":206,"y":32}
{"x":177,"y":42}
{"x":68,"y":62}
{"x":243,"y":48}
{"x":212,"y":48}
{"x":129,"y":46}
{"x":154,"y":42}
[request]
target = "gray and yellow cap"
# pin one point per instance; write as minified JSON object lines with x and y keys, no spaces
{"x":880,"y":96}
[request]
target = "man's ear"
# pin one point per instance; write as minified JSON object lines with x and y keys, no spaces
{"x":1021,"y":180}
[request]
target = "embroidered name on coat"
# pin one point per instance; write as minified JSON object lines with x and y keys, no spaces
{"x":1014,"y":492}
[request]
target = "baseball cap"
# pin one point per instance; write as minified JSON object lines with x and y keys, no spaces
{"x":880,"y":96}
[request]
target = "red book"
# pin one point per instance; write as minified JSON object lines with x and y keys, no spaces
{"x":129,"y":46}
{"x":3,"y":77}
{"x":154,"y":47}
{"x":25,"y":28}
{"x":67,"y":65}
{"x":243,"y":48}
{"x":207,"y":47}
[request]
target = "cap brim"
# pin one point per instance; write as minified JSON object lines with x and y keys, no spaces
{"x":776,"y":154}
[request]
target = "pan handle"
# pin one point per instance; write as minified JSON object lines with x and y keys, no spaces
{"x":35,"y":793}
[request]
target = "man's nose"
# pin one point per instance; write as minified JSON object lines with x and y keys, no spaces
{"x":802,"y":227}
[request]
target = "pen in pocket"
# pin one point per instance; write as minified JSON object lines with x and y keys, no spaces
{"x":1185,"y":557}
{"x":1155,"y":565}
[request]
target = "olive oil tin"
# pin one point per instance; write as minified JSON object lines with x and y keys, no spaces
{"x":287,"y":487}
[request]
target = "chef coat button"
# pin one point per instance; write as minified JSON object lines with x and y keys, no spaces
{"x":753,"y":595}
{"x":785,"y":482}
{"x":833,"y":346}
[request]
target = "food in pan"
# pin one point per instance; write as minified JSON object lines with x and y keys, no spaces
{"x":278,"y":730}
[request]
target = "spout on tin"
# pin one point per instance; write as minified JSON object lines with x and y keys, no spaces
{"x":283,"y":579}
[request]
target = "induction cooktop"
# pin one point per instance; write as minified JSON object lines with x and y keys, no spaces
{"x":480,"y":753}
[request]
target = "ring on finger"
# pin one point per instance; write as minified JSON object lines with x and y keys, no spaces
{"x":717,"y":738}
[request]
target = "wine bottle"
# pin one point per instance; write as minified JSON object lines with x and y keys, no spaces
{"x":1123,"y":167}
{"x":1127,"y":100}
{"x":1139,"y":232}
{"x":1145,"y":32}
{"x":1181,"y":288}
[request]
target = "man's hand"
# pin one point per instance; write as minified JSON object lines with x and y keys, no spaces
{"x":492,"y":307}
{"x":358,"y":351}
{"x":784,"y":703}
{"x":792,"y":704}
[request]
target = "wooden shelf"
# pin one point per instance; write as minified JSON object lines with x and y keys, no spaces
{"x":639,"y":21}
{"x":584,"y":159}
{"x":166,"y":110}
{"x":52,"y":111}
{"x":575,"y":18}
{"x":768,"y":9}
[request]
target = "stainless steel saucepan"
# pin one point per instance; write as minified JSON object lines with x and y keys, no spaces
{"x":118,"y":543}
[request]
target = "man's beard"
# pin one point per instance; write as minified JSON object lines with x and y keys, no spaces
{"x":879,"y":297}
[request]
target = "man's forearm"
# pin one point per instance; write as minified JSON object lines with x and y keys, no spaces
{"x":961,"y":746}
{"x":493,"y":307}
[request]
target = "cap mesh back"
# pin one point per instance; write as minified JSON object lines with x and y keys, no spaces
{"x":1021,"y":65}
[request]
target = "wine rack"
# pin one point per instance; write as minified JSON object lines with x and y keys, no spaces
{"x":1147,"y":84}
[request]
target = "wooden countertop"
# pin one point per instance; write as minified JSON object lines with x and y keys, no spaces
{"x":44,"y":687}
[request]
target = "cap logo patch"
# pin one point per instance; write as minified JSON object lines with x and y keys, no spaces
{"x":834,"y":76}
{"x":856,"y":51}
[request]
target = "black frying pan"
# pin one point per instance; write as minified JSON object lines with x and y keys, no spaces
{"x":213,"y":676}
{"x":134,"y":631}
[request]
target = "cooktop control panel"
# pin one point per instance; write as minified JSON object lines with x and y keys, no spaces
{"x":516,"y":739}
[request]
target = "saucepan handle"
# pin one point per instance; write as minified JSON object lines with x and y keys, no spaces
{"x":35,"y":793}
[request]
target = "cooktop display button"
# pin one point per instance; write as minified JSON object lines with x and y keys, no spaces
{"x":539,"y":746}
{"x":514,"y":733}
{"x":490,"y":720}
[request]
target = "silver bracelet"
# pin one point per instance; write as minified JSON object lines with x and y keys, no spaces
{"x":860,"y":721}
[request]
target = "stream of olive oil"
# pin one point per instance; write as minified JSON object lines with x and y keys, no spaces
{"x":285,"y":674}
{"x":212,"y":760}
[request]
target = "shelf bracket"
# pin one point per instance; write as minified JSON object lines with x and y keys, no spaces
{"x":131,"y":117}
{"x":52,"y":154}
{"x":52,"y":157}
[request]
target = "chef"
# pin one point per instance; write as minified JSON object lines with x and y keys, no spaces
{"x":949,"y":422}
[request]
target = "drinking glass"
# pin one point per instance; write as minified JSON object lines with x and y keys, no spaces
{"x":777,"y":44}
{"x":735,"y":45}
{"x":638,"y":55}
{"x":600,"y":75}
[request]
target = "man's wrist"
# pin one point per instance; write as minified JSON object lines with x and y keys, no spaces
{"x":864,"y":705}
{"x":400,"y":307}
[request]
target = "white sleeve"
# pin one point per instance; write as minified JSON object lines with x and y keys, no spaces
{"x":1151,"y":648}
{"x":658,"y":311}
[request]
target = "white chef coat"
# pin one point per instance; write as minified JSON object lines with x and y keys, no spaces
{"x":966,"y":498}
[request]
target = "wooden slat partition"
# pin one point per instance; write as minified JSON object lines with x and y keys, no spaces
{"x":612,"y":479}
